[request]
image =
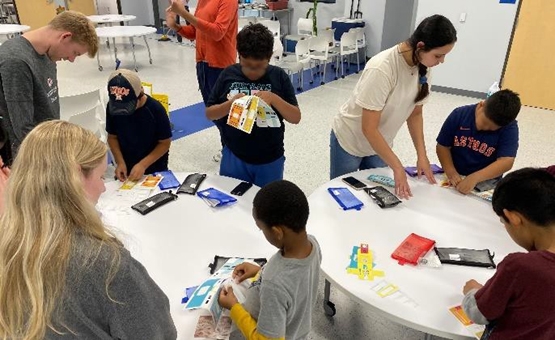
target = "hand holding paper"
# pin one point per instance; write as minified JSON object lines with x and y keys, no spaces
{"x":266,"y":96}
{"x":245,"y":271}
{"x":227,"y":299}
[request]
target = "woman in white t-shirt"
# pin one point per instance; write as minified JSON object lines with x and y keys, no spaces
{"x":391,"y":91}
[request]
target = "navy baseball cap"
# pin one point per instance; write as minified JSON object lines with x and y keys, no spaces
{"x":124,"y":89}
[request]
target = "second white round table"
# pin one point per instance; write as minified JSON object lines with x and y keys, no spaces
{"x":441,"y":214}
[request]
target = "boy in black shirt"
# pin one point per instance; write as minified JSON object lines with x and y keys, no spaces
{"x":257,"y":157}
{"x":139,"y":131}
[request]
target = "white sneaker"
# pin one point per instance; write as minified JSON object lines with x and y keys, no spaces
{"x":217,"y":157}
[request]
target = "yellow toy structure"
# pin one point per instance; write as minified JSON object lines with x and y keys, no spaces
{"x":362,"y":263}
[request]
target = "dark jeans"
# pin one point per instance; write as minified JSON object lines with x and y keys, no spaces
{"x":207,"y":77}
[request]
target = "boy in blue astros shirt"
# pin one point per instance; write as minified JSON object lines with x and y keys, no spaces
{"x":257,"y":157}
{"x":480,"y":141}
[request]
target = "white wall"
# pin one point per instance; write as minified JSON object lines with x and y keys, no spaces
{"x":398,"y":22}
{"x":373,"y":13}
{"x":478,"y":57}
{"x":106,"y":7}
{"x":142,"y":9}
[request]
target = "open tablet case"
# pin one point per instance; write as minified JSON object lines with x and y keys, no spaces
{"x":219,"y":261}
{"x":466,"y":257}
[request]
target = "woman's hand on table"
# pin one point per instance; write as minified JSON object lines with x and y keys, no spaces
{"x":402,"y":188}
{"x":423,"y":168}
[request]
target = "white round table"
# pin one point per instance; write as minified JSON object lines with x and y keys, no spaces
{"x":130,"y":32}
{"x":8,"y":29}
{"x":110,"y":18}
{"x":441,"y":214}
{"x":177,"y":241}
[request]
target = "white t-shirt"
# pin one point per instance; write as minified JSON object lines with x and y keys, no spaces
{"x":388,"y":84}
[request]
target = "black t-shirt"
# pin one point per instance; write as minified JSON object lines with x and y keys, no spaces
{"x":139,"y":133}
{"x":262,"y":145}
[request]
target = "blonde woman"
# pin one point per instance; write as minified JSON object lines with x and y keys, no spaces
{"x":63,"y":275}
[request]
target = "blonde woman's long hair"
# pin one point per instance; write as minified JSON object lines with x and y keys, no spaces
{"x":45,"y":207}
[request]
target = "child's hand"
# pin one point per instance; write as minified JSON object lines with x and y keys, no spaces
{"x":245,"y":271}
{"x":472,"y":284}
{"x":466,"y":185}
{"x":237,"y":96}
{"x":137,"y":172}
{"x":121,"y":172}
{"x":454,"y":177}
{"x":266,"y":96}
{"x":227,"y":299}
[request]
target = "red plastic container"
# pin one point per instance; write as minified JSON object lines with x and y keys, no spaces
{"x":276,"y":5}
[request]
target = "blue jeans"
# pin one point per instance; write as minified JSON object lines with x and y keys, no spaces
{"x":258,"y":174}
{"x":207,"y":77}
{"x":342,"y":162}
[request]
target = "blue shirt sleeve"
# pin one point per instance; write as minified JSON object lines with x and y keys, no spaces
{"x":508,"y":141}
{"x":447,"y":132}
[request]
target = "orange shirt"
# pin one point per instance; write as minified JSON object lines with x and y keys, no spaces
{"x":216,"y":32}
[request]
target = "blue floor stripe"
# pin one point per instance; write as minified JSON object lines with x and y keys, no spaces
{"x":192,"y":119}
{"x":189,"y":120}
{"x":330,"y":76}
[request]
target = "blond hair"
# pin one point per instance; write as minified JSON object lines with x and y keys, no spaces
{"x":81,"y":28}
{"x":46,"y":209}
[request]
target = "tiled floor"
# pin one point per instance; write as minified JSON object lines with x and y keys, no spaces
{"x":307,"y":149}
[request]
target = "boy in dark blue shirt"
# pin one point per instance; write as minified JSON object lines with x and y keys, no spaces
{"x":480,"y":141}
{"x":139,"y":131}
{"x":257,"y":157}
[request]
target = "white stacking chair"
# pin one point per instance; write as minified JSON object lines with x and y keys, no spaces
{"x":347,"y":46}
{"x":290,"y":66}
{"x":361,"y":42}
{"x":89,"y":121}
{"x":320,"y":52}
{"x":302,"y":55}
{"x":70,"y":105}
{"x":304,"y":30}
